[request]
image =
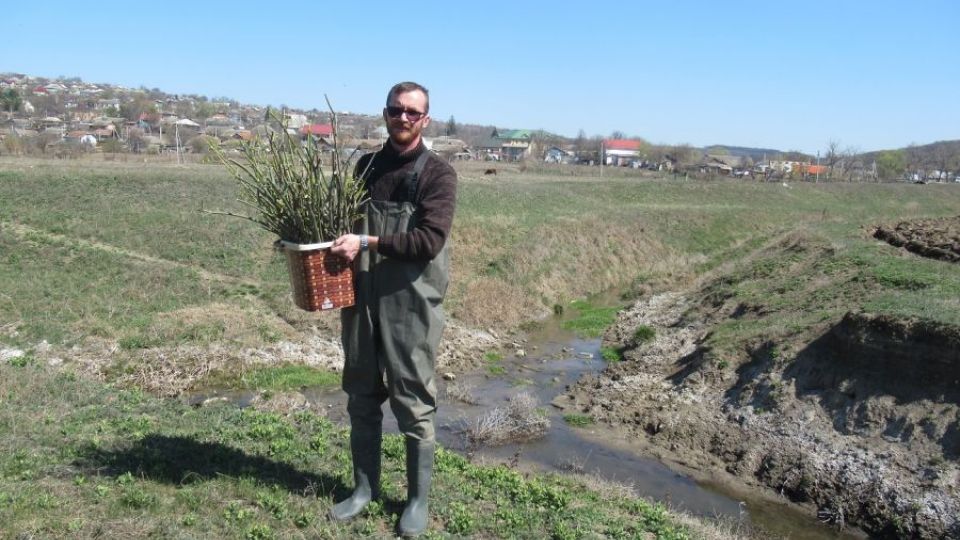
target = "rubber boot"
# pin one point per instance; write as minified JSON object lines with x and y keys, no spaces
{"x":419,"y":476}
{"x":365,"y":450}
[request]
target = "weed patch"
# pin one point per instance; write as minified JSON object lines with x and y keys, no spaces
{"x":610,"y":354}
{"x":578,"y":420}
{"x":591,"y":321}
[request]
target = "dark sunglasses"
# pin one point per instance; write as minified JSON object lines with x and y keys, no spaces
{"x":412,"y":115}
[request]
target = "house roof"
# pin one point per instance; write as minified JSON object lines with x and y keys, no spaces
{"x":621,"y":144}
{"x":490,"y":143}
{"x":320,"y":130}
{"x":514,"y":134}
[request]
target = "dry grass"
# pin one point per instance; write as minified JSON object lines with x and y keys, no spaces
{"x":520,"y":420}
{"x":462,"y":392}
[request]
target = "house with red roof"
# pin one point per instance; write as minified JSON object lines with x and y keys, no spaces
{"x":621,"y":152}
{"x":317,"y":130}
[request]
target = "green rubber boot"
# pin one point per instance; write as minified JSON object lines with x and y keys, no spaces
{"x":419,"y":476}
{"x":365,"y":449}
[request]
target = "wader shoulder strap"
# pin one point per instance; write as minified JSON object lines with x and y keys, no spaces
{"x":414,"y":177}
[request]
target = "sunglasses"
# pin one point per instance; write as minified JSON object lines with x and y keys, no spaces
{"x":412,"y":115}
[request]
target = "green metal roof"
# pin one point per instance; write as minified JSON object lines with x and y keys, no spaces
{"x":514,"y":134}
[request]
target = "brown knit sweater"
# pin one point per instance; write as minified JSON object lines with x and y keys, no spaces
{"x":435,"y":199}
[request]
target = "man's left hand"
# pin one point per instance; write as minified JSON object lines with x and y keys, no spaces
{"x":347,"y":246}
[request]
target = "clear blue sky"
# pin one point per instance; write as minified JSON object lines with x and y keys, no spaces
{"x":783,"y":75}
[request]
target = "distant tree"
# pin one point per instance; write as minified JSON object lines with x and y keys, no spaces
{"x":941,"y":159}
{"x":112,"y":146}
{"x":541,"y":141}
{"x":618,"y":135}
{"x":11,"y":100}
{"x":795,"y":155}
{"x":891,"y":164}
{"x":718,"y":150}
{"x":203,"y":110}
{"x":183,"y":109}
{"x":852,"y":165}
{"x":451,"y":127}
{"x":832,"y":157}
{"x":45,"y":140}
{"x":684,"y":155}
{"x":580,"y":144}
{"x":13,"y":145}
{"x":135,"y":140}
{"x":132,"y":109}
{"x":201,"y":143}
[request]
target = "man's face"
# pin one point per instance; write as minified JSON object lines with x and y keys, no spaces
{"x":406,"y":117}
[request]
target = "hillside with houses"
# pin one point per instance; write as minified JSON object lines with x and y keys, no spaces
{"x":67,"y":117}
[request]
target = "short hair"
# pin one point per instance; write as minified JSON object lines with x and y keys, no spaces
{"x":408,"y":86}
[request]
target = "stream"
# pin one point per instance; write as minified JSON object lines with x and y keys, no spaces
{"x":555,"y":358}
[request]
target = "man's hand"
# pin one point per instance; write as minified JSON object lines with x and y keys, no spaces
{"x":347,"y":246}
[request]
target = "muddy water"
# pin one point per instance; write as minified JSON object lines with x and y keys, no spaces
{"x":554,"y":359}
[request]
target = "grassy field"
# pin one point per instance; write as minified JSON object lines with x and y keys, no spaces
{"x":79,"y":459}
{"x":120,"y":258}
{"x":125,"y":253}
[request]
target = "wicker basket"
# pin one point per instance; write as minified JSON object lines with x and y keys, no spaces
{"x":320,"y":280}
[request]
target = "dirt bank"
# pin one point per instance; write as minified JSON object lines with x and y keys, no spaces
{"x":934,"y":238}
{"x":858,"y":421}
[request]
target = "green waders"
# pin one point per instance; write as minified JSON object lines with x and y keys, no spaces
{"x":390,"y":340}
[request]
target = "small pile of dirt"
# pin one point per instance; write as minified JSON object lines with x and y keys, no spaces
{"x":933,"y":238}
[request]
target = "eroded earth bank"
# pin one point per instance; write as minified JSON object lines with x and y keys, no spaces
{"x":856,"y":418}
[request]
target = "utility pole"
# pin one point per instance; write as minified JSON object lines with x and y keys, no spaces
{"x":818,"y":168}
{"x":602,"y":158}
{"x":160,"y":122}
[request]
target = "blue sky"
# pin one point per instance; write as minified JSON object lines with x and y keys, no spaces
{"x":783,"y":75}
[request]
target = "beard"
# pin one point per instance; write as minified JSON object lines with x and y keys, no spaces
{"x":403,"y":133}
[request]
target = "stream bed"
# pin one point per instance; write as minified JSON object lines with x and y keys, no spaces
{"x":553,"y":359}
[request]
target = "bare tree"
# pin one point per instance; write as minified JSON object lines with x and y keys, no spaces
{"x":831,"y":157}
{"x":915,"y":161}
{"x":684,"y":156}
{"x":580,"y":144}
{"x":135,"y":140}
{"x":941,"y":159}
{"x":852,"y":165}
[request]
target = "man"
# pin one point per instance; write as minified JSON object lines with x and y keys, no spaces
{"x":390,"y":336}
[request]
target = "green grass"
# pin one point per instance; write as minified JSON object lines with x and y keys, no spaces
{"x":123,"y":255}
{"x":610,"y":354}
{"x":800,"y":286}
{"x":521,"y":245}
{"x":277,"y":378}
{"x":643,"y":334}
{"x":590,"y":320}
{"x":492,"y":356}
{"x":82,"y":459}
{"x":578,"y":420}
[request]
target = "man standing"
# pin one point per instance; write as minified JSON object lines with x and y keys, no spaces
{"x":390,"y":336}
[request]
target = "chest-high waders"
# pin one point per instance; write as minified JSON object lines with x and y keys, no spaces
{"x":390,"y":339}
